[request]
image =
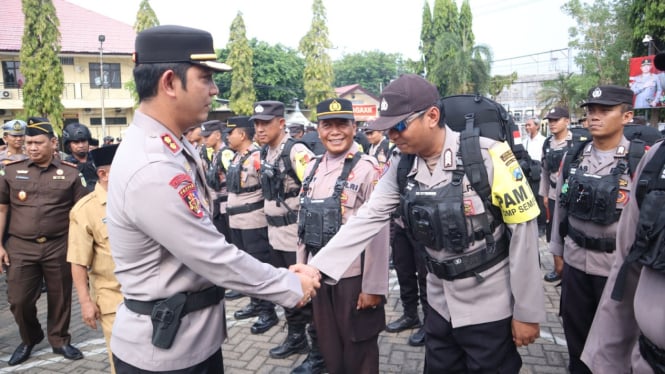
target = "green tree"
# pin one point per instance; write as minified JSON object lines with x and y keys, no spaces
{"x":40,"y":64}
{"x":499,"y":82}
{"x":372,"y":70}
{"x":242,"y":96}
{"x":460,"y":67}
{"x":426,"y":38}
{"x":318,"y":73}
{"x":277,"y":72}
{"x":145,"y":17}
{"x":603,"y":48}
{"x":645,"y":17}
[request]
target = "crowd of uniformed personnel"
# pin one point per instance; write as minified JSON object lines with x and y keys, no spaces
{"x":272,"y":218}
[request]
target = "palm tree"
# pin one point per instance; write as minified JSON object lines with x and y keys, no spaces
{"x":561,"y":91}
{"x":460,"y":67}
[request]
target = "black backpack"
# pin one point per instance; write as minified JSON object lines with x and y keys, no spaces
{"x":474,"y":116}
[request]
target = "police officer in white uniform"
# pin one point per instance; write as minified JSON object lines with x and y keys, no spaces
{"x":485,"y":299}
{"x":170,"y":259}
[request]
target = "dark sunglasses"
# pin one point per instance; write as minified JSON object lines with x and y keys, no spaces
{"x":403,"y":124}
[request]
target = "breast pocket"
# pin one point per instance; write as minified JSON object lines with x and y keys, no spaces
{"x":24,"y":193}
{"x":60,"y":191}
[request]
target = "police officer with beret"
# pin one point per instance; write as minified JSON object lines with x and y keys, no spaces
{"x":627,"y":332}
{"x":170,"y":259}
{"x":38,"y":193}
{"x":14,"y":137}
{"x":592,"y":188}
{"x":484,"y":288}
{"x":77,"y":138}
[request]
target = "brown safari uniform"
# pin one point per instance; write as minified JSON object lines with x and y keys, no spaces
{"x":39,"y":203}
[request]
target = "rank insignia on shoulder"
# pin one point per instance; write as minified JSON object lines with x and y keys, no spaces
{"x":170,"y":143}
{"x":68,"y":163}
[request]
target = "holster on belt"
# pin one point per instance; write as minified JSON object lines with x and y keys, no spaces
{"x":165,"y":318}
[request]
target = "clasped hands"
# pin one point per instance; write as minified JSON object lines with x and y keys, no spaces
{"x":310,"y":278}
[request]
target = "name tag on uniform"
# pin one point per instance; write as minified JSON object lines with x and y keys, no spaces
{"x":58,"y":177}
{"x":22,"y":177}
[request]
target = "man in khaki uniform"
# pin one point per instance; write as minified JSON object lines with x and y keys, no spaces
{"x":245,"y":208}
{"x":593,"y":186}
{"x":170,"y":259}
{"x":36,"y":194}
{"x":348,"y":315}
{"x":283,"y":162}
{"x":89,"y":252}
{"x":14,"y":137}
{"x":484,"y":301}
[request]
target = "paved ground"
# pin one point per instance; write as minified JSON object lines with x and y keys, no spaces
{"x":247,"y":353}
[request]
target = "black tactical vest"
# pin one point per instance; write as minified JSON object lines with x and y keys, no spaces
{"x":649,"y":246}
{"x":272,"y":178}
{"x":436,"y":217}
{"x":320,"y":219}
{"x":233,"y":184}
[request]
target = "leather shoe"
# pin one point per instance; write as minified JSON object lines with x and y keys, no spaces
{"x":233,"y":295}
{"x":69,"y":351}
{"x":265,"y":322}
{"x":418,"y":338}
{"x":250,"y":310}
{"x":552,"y":276}
{"x":22,"y":353}
{"x":404,"y":322}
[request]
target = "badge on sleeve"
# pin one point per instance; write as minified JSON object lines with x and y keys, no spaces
{"x":188,"y":193}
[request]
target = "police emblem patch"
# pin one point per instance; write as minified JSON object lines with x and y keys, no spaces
{"x":384,"y":105}
{"x":596,"y":93}
{"x":335,"y":106}
{"x":190,"y":197}
{"x":258,"y":109}
{"x":622,"y":197}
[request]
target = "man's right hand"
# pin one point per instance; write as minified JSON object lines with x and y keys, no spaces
{"x":558,"y":264}
{"x":309,"y":285}
{"x":90,"y":314}
{"x":4,"y":259}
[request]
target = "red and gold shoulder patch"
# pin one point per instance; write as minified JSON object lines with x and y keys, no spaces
{"x":69,"y":164}
{"x":622,"y":197}
{"x":188,"y":193}
{"x":170,"y":143}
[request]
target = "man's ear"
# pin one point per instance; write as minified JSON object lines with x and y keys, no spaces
{"x":167,"y":82}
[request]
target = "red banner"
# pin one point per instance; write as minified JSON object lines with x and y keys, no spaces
{"x":364,"y":112}
{"x":647,"y":82}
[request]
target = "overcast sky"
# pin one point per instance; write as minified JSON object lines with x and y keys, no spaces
{"x":510,"y":27}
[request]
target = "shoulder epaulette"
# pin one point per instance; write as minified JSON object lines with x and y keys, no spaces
{"x":69,"y":164}
{"x":15,"y":162}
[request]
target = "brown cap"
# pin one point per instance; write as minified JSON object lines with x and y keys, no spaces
{"x":408,"y":94}
{"x":557,"y":112}
{"x":267,"y":110}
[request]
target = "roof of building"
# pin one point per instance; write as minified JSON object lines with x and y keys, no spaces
{"x":344,"y":90}
{"x":79,"y":29}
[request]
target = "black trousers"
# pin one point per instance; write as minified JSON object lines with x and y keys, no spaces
{"x":409,"y":261}
{"x":580,"y":296}
{"x":213,"y":365}
{"x":483,"y":348}
{"x":255,"y":242}
{"x":294,"y":316}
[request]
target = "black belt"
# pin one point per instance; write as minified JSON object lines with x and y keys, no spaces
{"x":469,"y":265}
{"x":221,"y":199}
{"x":233,"y":210}
{"x":652,"y":354}
{"x":195,"y":301}
{"x":278,"y":221}
{"x":595,"y":244}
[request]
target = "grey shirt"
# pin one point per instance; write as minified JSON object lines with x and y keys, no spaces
{"x":163,"y":242}
{"x":612,"y":343}
{"x":511,"y":288}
